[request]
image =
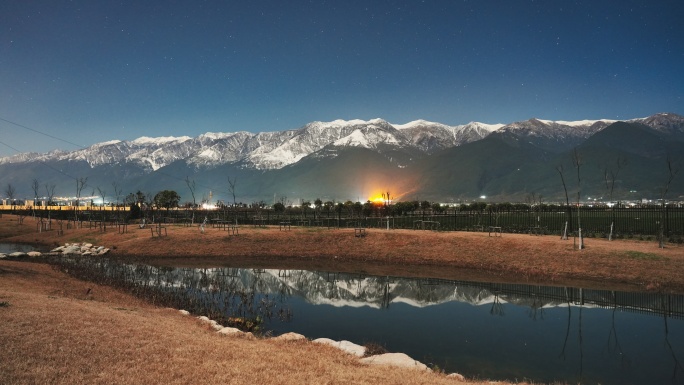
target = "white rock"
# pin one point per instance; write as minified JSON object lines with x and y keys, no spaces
{"x":457,"y":376}
{"x":34,"y":253}
{"x":88,"y":245}
{"x":290,"y":337}
{"x":346,"y":346}
{"x":394,"y":359}
{"x":17,"y":254}
{"x":2,"y":255}
{"x":184,"y":312}
{"x":211,"y":322}
{"x":229,"y":331}
{"x":71,"y":250}
{"x":57,"y":249}
{"x":326,"y":341}
{"x":352,"y":348}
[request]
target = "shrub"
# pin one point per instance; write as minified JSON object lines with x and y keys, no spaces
{"x":374,"y":349}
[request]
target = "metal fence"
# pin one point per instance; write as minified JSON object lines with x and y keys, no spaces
{"x":635,"y":222}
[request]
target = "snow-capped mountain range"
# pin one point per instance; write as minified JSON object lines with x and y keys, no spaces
{"x":274,"y":150}
{"x":344,"y":158}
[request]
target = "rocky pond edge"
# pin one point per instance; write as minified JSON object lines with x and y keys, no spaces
{"x":391,"y":359}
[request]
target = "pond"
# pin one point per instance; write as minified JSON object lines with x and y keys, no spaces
{"x":484,"y":330}
{"x":7,"y":248}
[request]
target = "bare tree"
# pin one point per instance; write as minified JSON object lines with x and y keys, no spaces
{"x":386,"y":197}
{"x":11,"y":192}
{"x":35,"y":185}
{"x":535,"y":202}
{"x":80,"y":185}
{"x":672,"y":171}
{"x":610,"y":176}
{"x":118,"y":191}
{"x":577,"y":162}
{"x":231,"y":188}
{"x":568,"y":221}
{"x":148,"y":200}
{"x":49,"y":194}
{"x":102,"y":193}
{"x":191,"y":186}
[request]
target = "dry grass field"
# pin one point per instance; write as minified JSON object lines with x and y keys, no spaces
{"x":621,"y":265}
{"x":55,"y":330}
{"x":54,"y":333}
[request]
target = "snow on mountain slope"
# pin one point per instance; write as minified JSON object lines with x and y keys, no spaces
{"x":144,"y":140}
{"x":430,"y":136}
{"x":273,"y":150}
{"x":316,"y":135}
{"x":666,"y":123}
{"x":578,"y":123}
{"x":556,"y":129}
{"x":555,"y":136}
{"x":212,"y":149}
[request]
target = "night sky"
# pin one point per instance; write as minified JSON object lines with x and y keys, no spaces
{"x":91,"y":71}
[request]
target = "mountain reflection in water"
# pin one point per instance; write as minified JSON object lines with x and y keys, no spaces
{"x":485,"y":330}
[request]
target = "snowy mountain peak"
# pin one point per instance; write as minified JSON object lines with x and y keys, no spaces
{"x":339,"y":123}
{"x":146,"y":140}
{"x":274,"y":150}
{"x":220,"y":135}
{"x":483,"y":126}
{"x":103,"y":144}
{"x":664,"y":122}
{"x":417,"y":123}
{"x":577,"y":123}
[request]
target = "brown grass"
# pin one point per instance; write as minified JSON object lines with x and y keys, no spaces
{"x":53,"y":332}
{"x":619,"y":265}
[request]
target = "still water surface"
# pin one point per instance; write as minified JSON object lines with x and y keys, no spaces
{"x":7,"y":248}
{"x":485,"y":330}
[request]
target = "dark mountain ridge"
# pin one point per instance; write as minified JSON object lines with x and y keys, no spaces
{"x":355,"y":160}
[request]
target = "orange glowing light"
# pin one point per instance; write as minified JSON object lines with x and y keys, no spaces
{"x":378,"y":200}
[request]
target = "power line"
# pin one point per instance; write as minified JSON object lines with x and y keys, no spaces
{"x":44,"y":164}
{"x":78,"y":145}
{"x":42,"y":133}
